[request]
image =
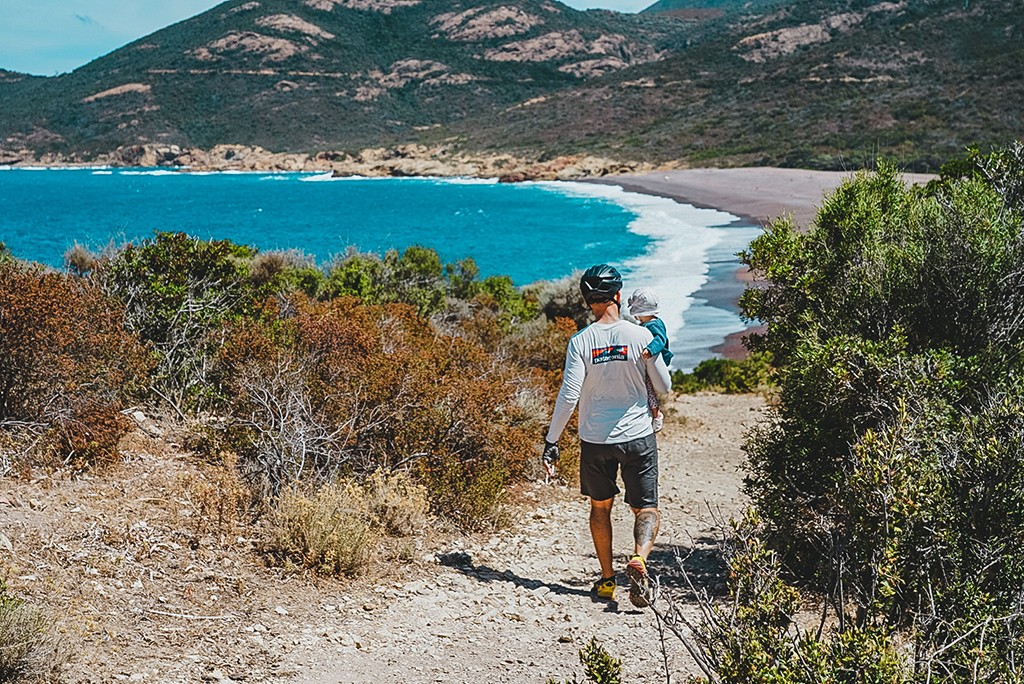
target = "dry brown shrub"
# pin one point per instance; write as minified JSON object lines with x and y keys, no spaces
{"x":80,"y":261}
{"x":30,"y":651}
{"x":65,"y":358}
{"x":327,"y":532}
{"x":396,"y":502}
{"x":341,"y":388}
{"x":221,"y":502}
{"x":89,"y":435}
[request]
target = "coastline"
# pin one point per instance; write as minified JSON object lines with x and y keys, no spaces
{"x":756,"y":196}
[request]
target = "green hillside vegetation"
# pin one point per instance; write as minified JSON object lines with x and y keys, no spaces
{"x":289,"y":76}
{"x":918,"y":83}
{"x":812,"y":84}
{"x":886,"y":480}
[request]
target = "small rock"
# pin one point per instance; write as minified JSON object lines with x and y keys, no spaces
{"x":280,"y":611}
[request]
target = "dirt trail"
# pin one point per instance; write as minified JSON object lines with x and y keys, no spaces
{"x":143,"y":595}
{"x":516,"y":607}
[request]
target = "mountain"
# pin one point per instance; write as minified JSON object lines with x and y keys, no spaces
{"x":817,"y":83}
{"x":324,"y":74}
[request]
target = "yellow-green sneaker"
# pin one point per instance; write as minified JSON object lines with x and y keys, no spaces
{"x":604,"y":588}
{"x":640,"y":594}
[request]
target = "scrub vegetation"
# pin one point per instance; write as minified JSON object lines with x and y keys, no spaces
{"x":886,"y":480}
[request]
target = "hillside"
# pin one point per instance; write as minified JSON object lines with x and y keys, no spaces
{"x":324,"y":74}
{"x":815,"y":84}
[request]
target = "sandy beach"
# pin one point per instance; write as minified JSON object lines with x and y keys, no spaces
{"x":757,"y":195}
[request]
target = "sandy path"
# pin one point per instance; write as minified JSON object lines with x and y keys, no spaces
{"x":515,"y":607}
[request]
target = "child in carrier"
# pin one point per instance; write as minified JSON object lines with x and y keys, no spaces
{"x":643,"y":306}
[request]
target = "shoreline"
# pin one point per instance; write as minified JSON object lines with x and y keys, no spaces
{"x":756,"y":196}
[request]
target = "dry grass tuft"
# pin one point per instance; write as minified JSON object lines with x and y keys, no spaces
{"x":341,"y":527}
{"x":397,"y":504}
{"x":29,"y":650}
{"x":220,"y":499}
{"x":328,"y":532}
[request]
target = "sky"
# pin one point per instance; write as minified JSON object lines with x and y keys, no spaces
{"x":49,"y":37}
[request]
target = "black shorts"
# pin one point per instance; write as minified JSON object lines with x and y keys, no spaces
{"x":599,"y":466}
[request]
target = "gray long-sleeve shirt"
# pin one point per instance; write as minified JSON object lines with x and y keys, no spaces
{"x":604,"y":373}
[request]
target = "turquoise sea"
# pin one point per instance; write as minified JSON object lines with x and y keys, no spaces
{"x":529,"y":231}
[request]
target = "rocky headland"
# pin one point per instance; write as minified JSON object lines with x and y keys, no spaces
{"x":401,"y":161}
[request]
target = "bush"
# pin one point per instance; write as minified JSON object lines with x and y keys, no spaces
{"x":178,"y":291}
{"x":888,"y":473}
{"x":28,"y":649}
{"x":327,"y":532}
{"x":753,"y":635}
{"x":413,"y":277}
{"x":347,"y":389}
{"x":600,"y":667}
{"x":286,"y":272}
{"x":66,"y":361}
{"x":90,"y":435}
{"x":730,"y":376}
{"x":562,"y":299}
{"x":338,"y":529}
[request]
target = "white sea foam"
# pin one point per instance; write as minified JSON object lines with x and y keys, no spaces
{"x":684,"y":242}
{"x":153,"y":172}
{"x":467,"y":180}
{"x":103,"y":173}
{"x":319,"y":177}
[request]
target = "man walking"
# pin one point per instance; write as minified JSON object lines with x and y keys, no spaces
{"x":605,"y":374}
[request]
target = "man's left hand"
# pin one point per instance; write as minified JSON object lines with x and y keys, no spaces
{"x":550,"y":458}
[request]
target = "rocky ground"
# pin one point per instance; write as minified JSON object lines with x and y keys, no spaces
{"x":148,"y":585}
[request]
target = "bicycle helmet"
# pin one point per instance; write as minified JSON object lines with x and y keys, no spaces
{"x":600,"y":283}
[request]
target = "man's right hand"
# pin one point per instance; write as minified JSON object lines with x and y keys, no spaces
{"x":550,"y":457}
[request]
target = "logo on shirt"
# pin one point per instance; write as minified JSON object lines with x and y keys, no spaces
{"x":615,"y":352}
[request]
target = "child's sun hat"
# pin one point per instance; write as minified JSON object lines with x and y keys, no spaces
{"x":643,"y":302}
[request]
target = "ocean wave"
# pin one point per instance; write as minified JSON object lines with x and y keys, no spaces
{"x":319,"y":177}
{"x":153,"y":172}
{"x":467,"y":180}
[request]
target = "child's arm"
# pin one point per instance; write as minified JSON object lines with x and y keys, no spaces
{"x":660,"y":341}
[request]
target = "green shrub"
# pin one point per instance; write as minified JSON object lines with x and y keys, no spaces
{"x":283,"y":272}
{"x":753,"y":635}
{"x":178,"y":291}
{"x":730,"y":376}
{"x":888,"y":472}
{"x":600,"y":667}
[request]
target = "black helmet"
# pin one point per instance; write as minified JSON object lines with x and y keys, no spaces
{"x":600,"y":283}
